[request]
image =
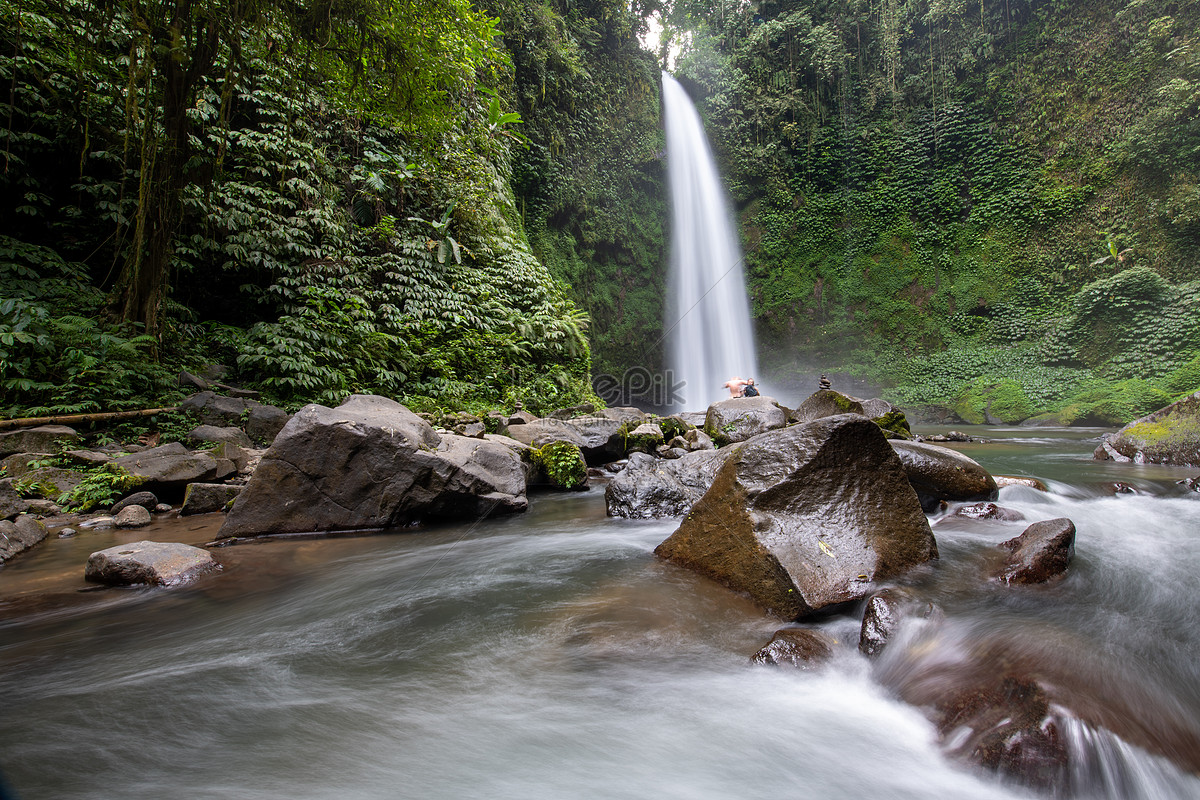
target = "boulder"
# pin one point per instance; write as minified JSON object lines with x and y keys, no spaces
{"x":11,"y":503}
{"x":988,"y":511}
{"x":132,"y":516}
{"x":1017,"y":480}
{"x":173,"y":466}
{"x":1043,"y":551}
{"x":645,"y":438}
{"x":826,"y":403}
{"x":542,"y":432}
{"x":884,"y":612}
{"x":371,"y":463}
{"x":42,"y":439}
{"x":1170,"y":435}
{"x":262,"y":422}
{"x":189,"y":381}
{"x":693,"y":418}
{"x":939,"y":473}
{"x":17,"y":536}
{"x":602,"y":439}
{"x":18,"y":464}
{"x":159,"y":563}
{"x":626,"y":415}
{"x":697,"y":439}
{"x":796,"y":647}
{"x":204,"y":498}
{"x":806,"y":517}
{"x":211,"y":433}
{"x":739,"y":418}
{"x":649,"y":487}
{"x":146,"y":500}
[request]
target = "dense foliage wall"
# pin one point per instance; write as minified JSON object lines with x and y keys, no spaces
{"x":945,"y":195}
{"x":316,"y":195}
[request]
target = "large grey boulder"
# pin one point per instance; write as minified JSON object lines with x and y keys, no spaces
{"x":174,"y":466}
{"x":602,"y":439}
{"x":41,"y":439}
{"x":826,"y":403}
{"x":371,"y":463}
{"x":939,"y":473}
{"x":650,"y":487}
{"x":626,"y":415}
{"x":542,"y":432}
{"x":262,"y":422}
{"x":739,"y":418}
{"x":19,"y":535}
{"x":806,"y":517}
{"x":158,"y":563}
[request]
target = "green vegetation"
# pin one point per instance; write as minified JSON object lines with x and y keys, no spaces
{"x":563,"y":465}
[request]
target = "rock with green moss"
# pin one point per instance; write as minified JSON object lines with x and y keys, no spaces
{"x":1170,"y":435}
{"x":673,"y":426}
{"x":826,"y":403}
{"x":894,"y":425}
{"x":644,"y":438}
{"x":562,"y":464}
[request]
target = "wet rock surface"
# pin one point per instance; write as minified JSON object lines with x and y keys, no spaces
{"x":1042,"y":552}
{"x":17,"y":536}
{"x":649,"y":487}
{"x":1170,"y":435}
{"x":939,"y":473}
{"x":805,"y":518}
{"x":884,"y":612}
{"x":988,"y":511}
{"x":158,"y":563}
{"x":804,"y":648}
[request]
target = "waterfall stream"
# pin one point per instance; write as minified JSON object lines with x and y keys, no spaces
{"x":708,"y":316}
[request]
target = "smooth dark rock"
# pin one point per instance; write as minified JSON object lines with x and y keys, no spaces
{"x":1043,"y":551}
{"x":146,"y":500}
{"x":132,"y":516}
{"x":204,"y":498}
{"x":372,"y":463}
{"x":17,"y":536}
{"x":650,"y":487}
{"x":805,"y":518}
{"x":158,"y":563}
{"x":740,"y":418}
{"x":988,"y":511}
{"x":796,"y":647}
{"x":884,"y":612}
{"x":42,"y":439}
{"x":939,"y":473}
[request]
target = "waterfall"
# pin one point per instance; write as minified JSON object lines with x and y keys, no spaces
{"x":708,"y":312}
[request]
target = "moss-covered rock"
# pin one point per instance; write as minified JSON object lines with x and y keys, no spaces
{"x":894,"y":425}
{"x":1168,"y":436}
{"x":562,"y":464}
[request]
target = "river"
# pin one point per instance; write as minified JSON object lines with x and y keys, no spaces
{"x":551,"y":655}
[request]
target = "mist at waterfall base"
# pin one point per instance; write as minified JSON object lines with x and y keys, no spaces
{"x":710,"y":339}
{"x":551,"y":655}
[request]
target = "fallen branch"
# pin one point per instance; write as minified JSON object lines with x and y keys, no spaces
{"x":99,"y":416}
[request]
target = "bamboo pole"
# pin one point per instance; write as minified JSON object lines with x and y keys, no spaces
{"x":99,"y":416}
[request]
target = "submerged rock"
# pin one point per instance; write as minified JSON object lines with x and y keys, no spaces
{"x":1019,"y":480}
{"x":884,"y":612}
{"x":372,"y":463}
{"x":939,"y":473}
{"x":158,"y":563}
{"x":804,"y":648}
{"x":1043,"y":551}
{"x":806,"y":517}
{"x":988,"y":511}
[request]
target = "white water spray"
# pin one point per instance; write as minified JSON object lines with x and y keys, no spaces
{"x":708,"y":313}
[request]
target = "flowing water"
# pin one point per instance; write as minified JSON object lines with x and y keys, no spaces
{"x":708,"y":318}
{"x":551,"y":655}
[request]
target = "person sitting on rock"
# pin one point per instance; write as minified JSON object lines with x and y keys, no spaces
{"x":750,"y":389}
{"x":736,"y":386}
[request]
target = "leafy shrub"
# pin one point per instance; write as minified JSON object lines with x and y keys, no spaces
{"x":1184,"y":380}
{"x":987,"y":399}
{"x":102,"y":486}
{"x":1104,"y":403}
{"x":563,"y":464}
